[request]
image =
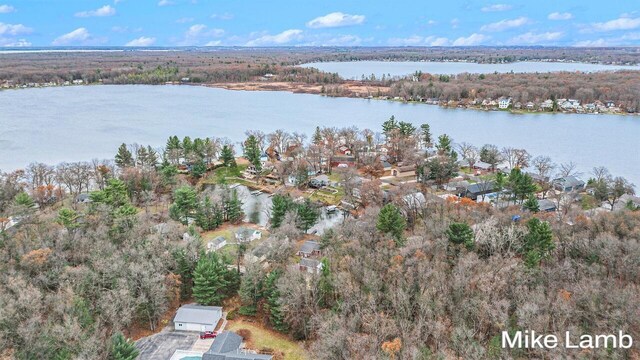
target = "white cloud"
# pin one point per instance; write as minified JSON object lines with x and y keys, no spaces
{"x":200,"y":34}
{"x":5,"y":9}
{"x":165,"y":3}
{"x":11,"y":29}
{"x":14,"y":43}
{"x":431,"y":22}
{"x":533,"y":38}
{"x":142,"y":41}
{"x":560,"y":16}
{"x":454,"y":23}
{"x":224,"y":16}
{"x":335,"y":19}
{"x":77,"y":36}
{"x":213,"y":43}
{"x":506,"y":24}
{"x":496,"y":8}
{"x":471,"y":40}
{"x":417,"y":40}
{"x":185,"y":20}
{"x":592,"y":43}
{"x":622,"y":23}
{"x":284,"y":37}
{"x":106,"y":10}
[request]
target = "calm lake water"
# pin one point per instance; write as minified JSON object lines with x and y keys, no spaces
{"x":84,"y":122}
{"x":355,"y":69}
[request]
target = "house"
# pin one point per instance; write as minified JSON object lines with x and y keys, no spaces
{"x":568,"y":184}
{"x":83,"y":198}
{"x":609,"y":104}
{"x":250,"y":172}
{"x":627,"y":201}
{"x":531,"y":106}
{"x":193,"y":317}
{"x":343,"y":161}
{"x":404,"y":171}
{"x":309,"y":248}
{"x":504,"y":103}
{"x":386,"y":166}
{"x":248,"y":235}
{"x":415,"y":200}
{"x":344,"y":150}
{"x":311,"y":266}
{"x":319,"y":181}
{"x":216,"y":244}
{"x":546,"y":105}
{"x":473,"y":191}
{"x":546,"y":205}
{"x":228,"y":346}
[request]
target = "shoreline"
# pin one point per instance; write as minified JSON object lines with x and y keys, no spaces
{"x":317,"y":89}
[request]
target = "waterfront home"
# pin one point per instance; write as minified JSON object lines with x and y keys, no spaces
{"x":568,"y":184}
{"x":504,"y":103}
{"x":546,"y":105}
{"x":193,"y":317}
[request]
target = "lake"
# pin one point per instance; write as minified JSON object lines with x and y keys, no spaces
{"x":355,"y":69}
{"x":83,"y":122}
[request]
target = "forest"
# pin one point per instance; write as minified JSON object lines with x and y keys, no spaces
{"x":431,"y":280}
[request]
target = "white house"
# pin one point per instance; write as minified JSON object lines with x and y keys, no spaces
{"x":193,"y":317}
{"x":216,"y":244}
{"x":504,"y":103}
{"x":248,"y":235}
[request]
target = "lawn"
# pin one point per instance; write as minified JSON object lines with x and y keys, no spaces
{"x":264,"y":338}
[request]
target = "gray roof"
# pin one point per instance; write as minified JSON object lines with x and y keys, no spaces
{"x":226,"y":346}
{"x":546,"y":205}
{"x":309,"y":246}
{"x":243,"y":231}
{"x":219,"y":240}
{"x":310,"y":263}
{"x":198,"y":314}
{"x":478,"y":188}
{"x":569,"y":181}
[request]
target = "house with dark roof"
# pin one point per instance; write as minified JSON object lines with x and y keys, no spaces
{"x":194,"y":317}
{"x":228,"y":346}
{"x":546,"y":205}
{"x":309,"y":248}
{"x":473,"y":191}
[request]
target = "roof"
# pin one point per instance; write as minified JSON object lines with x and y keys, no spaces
{"x":310,"y":246}
{"x":219,"y":240}
{"x":546,"y":205}
{"x":226,"y":346}
{"x":569,"y":181}
{"x":323,"y":178}
{"x":310,"y":263}
{"x":386,"y":165}
{"x":198,"y":314}
{"x":481,"y":187}
{"x":243,"y":231}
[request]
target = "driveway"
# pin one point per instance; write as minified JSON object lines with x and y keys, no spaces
{"x":162,"y":345}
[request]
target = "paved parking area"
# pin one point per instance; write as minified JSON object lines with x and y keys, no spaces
{"x":202,"y":345}
{"x":162,"y":345}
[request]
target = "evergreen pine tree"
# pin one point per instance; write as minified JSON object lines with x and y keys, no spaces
{"x":184,"y":204}
{"x":460,"y":234}
{"x":252,"y":152}
{"x":538,"y":243}
{"x":280,"y":205}
{"x":122,"y":348}
{"x":273,"y":307}
{"x":233,"y":208}
{"x":391,"y":221}
{"x":307,"y":215}
{"x":228,"y":158}
{"x":317,"y":136}
{"x":531,"y":204}
{"x":209,"y":280}
{"x":124,"y":158}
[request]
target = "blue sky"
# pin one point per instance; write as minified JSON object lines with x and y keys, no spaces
{"x":318,"y":22}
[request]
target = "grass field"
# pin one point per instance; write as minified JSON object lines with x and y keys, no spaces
{"x":265,"y":338}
